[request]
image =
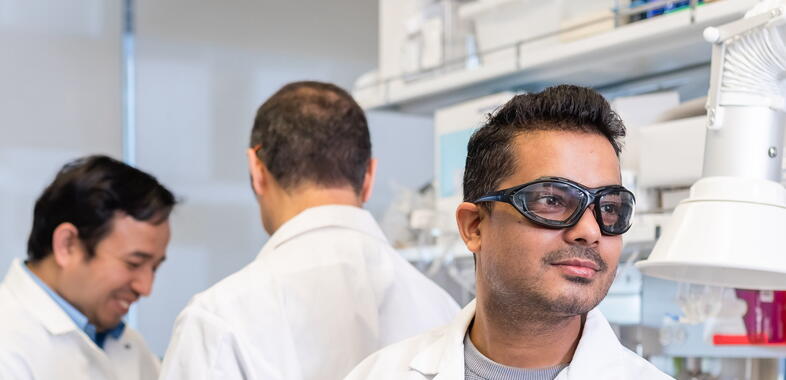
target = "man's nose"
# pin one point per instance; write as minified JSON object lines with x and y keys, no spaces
{"x":143,"y":282}
{"x":586,"y":231}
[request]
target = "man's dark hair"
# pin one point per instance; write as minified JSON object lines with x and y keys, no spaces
{"x":87,"y":193}
{"x":313,"y":132}
{"x":490,"y":157}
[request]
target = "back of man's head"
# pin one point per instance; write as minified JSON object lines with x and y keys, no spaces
{"x":313,"y":133}
{"x":88,"y":192}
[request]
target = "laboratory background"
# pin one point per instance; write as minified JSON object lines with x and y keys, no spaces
{"x":172,"y":87}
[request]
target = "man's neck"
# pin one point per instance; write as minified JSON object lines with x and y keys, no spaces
{"x":296,"y":201}
{"x":530,"y":344}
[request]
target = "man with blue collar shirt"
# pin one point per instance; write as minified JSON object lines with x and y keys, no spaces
{"x":100,"y":231}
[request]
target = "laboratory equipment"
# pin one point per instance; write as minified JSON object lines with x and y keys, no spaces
{"x":728,"y":232}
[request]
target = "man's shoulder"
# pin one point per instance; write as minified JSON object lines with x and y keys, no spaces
{"x":224,"y":297}
{"x":261,"y":280}
{"x":18,"y":322}
{"x":23,"y":337}
{"x":17,"y":332}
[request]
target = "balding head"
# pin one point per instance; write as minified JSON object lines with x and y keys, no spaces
{"x":313,"y":132}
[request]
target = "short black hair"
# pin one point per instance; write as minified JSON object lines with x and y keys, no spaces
{"x":313,"y":132}
{"x":87,"y":192}
{"x":490,"y":157}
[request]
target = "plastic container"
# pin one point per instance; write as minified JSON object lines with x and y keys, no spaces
{"x":765,"y":318}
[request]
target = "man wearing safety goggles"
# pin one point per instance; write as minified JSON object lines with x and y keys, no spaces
{"x":543,"y":212}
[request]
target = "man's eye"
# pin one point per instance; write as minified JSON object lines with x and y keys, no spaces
{"x":550,"y":200}
{"x":609,"y":208}
{"x":133,"y":265}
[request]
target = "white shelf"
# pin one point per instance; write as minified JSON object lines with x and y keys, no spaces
{"x":655,"y":46}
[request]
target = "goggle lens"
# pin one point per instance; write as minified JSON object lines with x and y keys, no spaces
{"x":616,"y":211}
{"x":560,"y":204}
{"x":553,"y":201}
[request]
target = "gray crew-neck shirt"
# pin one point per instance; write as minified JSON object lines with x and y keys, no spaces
{"x":479,"y":367}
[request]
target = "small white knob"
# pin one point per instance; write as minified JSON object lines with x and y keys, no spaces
{"x":712,"y":34}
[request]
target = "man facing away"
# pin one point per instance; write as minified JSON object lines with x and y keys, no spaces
{"x":543,"y":212}
{"x":100,"y":231}
{"x":327,"y":289}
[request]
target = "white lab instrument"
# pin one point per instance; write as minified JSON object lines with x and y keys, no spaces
{"x":729,"y":232}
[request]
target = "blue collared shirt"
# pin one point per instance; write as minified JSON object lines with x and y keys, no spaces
{"x":79,"y":319}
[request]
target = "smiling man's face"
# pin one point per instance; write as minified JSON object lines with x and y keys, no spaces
{"x":558,"y":272}
{"x":104,"y":286}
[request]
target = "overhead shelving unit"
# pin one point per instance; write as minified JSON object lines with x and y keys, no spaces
{"x":647,"y":48}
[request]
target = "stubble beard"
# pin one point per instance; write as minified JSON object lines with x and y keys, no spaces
{"x":515,"y":299}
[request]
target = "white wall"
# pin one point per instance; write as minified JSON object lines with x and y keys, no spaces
{"x":404,"y":148}
{"x":60,"y":97}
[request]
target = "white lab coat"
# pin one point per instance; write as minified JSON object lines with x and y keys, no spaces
{"x":38,"y":340}
{"x":326,"y":291}
{"x":439,"y":355}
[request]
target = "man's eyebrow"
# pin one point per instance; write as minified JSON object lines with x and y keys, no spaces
{"x":141,"y":254}
{"x":146,"y":256}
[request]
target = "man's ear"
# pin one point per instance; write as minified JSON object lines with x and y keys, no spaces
{"x":66,"y":246}
{"x":368,"y":181}
{"x":257,"y":170}
{"x":468,"y":218}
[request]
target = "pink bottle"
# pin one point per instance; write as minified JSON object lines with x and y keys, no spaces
{"x":766,"y":315}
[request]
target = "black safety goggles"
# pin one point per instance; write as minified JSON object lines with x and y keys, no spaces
{"x":557,"y":202}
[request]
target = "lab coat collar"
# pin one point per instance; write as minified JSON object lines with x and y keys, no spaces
{"x":445,"y":356}
{"x":313,"y":218}
{"x":598,"y":350}
{"x":40,"y":305}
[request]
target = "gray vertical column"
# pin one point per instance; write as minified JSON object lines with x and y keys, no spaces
{"x":129,"y":85}
{"x":129,"y":104}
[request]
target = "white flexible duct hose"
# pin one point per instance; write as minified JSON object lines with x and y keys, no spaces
{"x":755,"y":65}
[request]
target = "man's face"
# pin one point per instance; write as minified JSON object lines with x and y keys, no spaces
{"x":526,"y":267}
{"x":122,"y":270}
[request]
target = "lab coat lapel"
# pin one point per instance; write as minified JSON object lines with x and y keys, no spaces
{"x":444,"y":358}
{"x":52,"y":317}
{"x":34,"y":299}
{"x":598,"y":351}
